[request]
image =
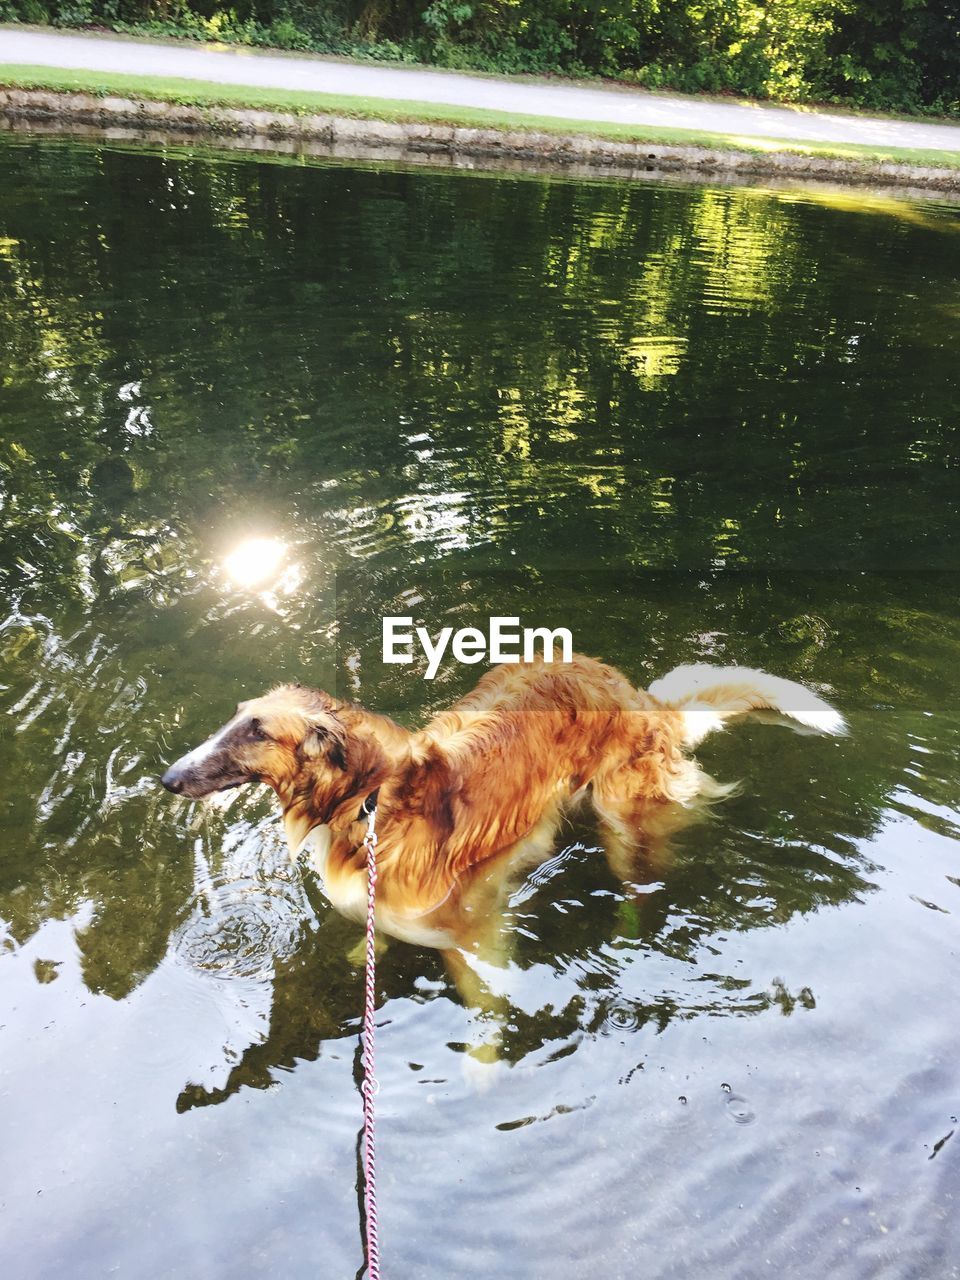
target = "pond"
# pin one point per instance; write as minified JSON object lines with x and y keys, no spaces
{"x":689,"y":423}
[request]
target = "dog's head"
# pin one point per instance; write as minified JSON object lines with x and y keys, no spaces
{"x":278,"y":739}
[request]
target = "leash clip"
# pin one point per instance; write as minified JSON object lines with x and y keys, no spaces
{"x":370,"y":839}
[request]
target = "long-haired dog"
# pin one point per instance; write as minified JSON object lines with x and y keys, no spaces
{"x":494,"y":773}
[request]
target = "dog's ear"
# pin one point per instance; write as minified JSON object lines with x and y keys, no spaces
{"x":319,"y":741}
{"x":314,"y":738}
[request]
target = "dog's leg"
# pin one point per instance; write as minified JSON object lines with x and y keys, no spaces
{"x":638,"y":832}
{"x":636,"y":854}
{"x":357,"y":954}
{"x":489,"y":1008}
{"x":490,"y":1012}
{"x":485,"y":942}
{"x":643,"y":800}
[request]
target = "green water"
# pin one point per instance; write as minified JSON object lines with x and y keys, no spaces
{"x":686,"y":423}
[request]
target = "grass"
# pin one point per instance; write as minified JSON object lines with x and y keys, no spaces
{"x":203,"y":93}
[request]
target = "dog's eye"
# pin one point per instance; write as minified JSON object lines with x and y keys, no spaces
{"x":257,"y":731}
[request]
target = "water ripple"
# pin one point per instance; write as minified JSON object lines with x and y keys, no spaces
{"x":246,"y":913}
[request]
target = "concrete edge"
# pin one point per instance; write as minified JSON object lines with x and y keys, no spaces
{"x":250,"y":129}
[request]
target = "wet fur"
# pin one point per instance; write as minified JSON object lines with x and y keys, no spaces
{"x":491,"y":775}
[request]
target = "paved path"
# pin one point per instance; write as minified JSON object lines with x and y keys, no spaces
{"x":568,"y":101}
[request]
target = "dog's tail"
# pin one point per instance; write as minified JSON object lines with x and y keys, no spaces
{"x":706,"y":696}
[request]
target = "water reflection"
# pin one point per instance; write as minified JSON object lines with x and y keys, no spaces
{"x":688,"y":424}
{"x":546,"y":949}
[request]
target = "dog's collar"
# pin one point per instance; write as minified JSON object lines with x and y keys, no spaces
{"x":369,"y":805}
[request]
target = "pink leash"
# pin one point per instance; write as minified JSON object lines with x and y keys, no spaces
{"x":369,"y":1088}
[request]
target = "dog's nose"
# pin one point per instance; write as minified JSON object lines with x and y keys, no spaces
{"x":172,"y":781}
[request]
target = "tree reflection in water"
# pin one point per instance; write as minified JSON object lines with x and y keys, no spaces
{"x":686,"y":423}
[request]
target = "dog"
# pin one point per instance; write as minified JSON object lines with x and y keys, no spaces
{"x":492,"y":775}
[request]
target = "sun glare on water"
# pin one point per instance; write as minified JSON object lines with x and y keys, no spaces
{"x":255,"y":562}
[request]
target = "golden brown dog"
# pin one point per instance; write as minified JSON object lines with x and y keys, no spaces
{"x":492,"y":775}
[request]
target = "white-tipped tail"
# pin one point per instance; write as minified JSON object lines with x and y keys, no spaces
{"x":707,"y":696}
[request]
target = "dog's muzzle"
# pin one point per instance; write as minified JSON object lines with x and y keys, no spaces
{"x":213,"y":766}
{"x":173,"y":780}
{"x":185,"y":778}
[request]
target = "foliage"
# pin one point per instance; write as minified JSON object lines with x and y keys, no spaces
{"x":901,"y":55}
